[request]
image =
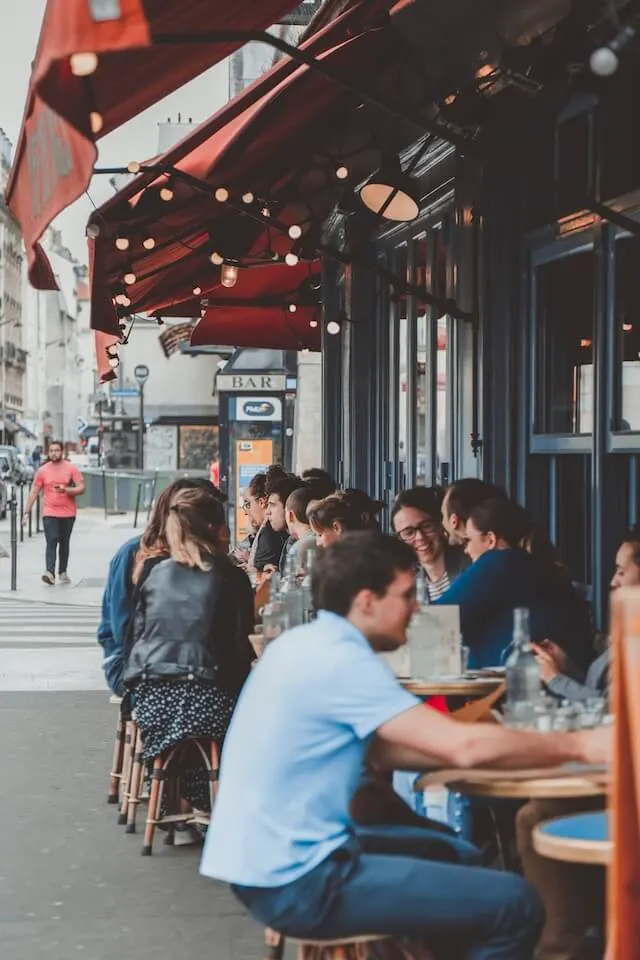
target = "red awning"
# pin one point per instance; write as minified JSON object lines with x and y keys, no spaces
{"x":259,"y":327}
{"x":110,"y":43}
{"x":106,"y":356}
{"x":249,"y":145}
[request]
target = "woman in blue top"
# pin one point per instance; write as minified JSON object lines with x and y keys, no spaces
{"x":504,"y":576}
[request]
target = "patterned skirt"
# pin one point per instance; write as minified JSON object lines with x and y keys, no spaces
{"x":169,"y":711}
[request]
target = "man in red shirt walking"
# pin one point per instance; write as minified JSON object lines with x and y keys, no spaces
{"x":61,"y":482}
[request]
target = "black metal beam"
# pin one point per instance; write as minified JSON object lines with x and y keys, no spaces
{"x":613,"y":216}
{"x":410,"y":116}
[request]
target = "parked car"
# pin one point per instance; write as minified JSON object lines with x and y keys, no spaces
{"x":12,"y":470}
{"x":27,"y":468}
{"x":4,"y":493}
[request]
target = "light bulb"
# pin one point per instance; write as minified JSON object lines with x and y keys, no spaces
{"x":122,"y":243}
{"x":292,"y":308}
{"x":114,"y":363}
{"x":291,"y":259}
{"x":221,"y":194}
{"x":120,"y":298}
{"x":83,"y":64}
{"x":96,"y":121}
{"x":93,"y":231}
{"x":313,"y":323}
{"x":305,"y":350}
{"x":148,"y":243}
{"x":342,"y":172}
{"x":295,"y":232}
{"x":333,"y":327}
{"x":604,"y":62}
{"x":125,"y":301}
{"x":248,"y":197}
{"x":216,"y":259}
{"x":166,"y":194}
{"x":266,"y":212}
{"x":197,"y":291}
{"x":133,"y":166}
{"x":129,"y":278}
{"x":229,"y":275}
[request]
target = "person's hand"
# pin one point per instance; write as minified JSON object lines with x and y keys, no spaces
{"x":25,"y":518}
{"x":597,"y":745}
{"x":270,"y":568}
{"x":552,"y":660}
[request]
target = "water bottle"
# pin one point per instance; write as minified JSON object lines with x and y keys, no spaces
{"x":308,"y":556}
{"x":275,"y":618}
{"x":524,"y":686}
{"x":291,"y":592}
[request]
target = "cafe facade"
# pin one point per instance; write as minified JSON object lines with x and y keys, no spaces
{"x":527,"y":372}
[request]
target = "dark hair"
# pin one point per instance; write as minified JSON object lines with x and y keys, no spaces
{"x":153,"y":537}
{"x":632,"y":537}
{"x":281,"y":484}
{"x":359,"y":561}
{"x":56,"y":443}
{"x":257,"y":486}
{"x":323,"y":482}
{"x":426,"y":499}
{"x":299,"y":500}
{"x":505,"y":518}
{"x":338,"y":508}
{"x":367,"y":507}
{"x":464,"y":495}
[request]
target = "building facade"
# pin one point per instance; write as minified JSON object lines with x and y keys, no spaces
{"x":531,"y":378}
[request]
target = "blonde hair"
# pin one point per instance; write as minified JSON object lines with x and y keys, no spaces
{"x":191,"y":527}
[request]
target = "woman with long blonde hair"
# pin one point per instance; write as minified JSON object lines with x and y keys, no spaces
{"x":190,"y":652}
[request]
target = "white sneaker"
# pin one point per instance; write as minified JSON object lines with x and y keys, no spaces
{"x":64,"y":578}
{"x":186,"y":836}
{"x":49,"y":578}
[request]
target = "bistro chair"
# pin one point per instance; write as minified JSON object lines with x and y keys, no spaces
{"x":364,"y":947}
{"x":115,"y":776}
{"x":130,"y":738}
{"x":165,"y":781}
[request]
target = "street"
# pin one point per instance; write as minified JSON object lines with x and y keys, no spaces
{"x":72,"y":883}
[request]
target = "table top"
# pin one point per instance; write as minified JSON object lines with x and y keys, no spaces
{"x":562,"y":783}
{"x":453,"y":686}
{"x":580,"y":838}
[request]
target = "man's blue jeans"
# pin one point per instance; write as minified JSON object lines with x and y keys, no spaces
{"x":469,"y":913}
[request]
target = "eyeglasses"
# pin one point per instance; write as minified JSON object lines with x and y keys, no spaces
{"x":426,"y":529}
{"x":246,"y":506}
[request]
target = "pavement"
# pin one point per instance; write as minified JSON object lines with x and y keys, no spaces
{"x":72,"y":882}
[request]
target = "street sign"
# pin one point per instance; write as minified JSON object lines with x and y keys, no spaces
{"x":141,"y":373}
{"x":82,"y":424}
{"x":125,"y":392}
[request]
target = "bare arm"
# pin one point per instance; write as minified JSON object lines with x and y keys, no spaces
{"x":78,"y":489}
{"x":33,"y":496}
{"x":418,"y":738}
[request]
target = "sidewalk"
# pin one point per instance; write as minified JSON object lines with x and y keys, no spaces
{"x":93,"y":543}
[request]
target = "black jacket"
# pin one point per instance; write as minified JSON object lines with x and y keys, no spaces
{"x":270,"y":547}
{"x":191,"y":624}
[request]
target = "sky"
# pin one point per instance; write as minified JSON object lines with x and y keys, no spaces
{"x":135,"y":140}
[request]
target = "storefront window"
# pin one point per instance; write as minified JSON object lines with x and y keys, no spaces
{"x":564,"y":292}
{"x":443,"y":406}
{"x":627,"y":328}
{"x":423,"y":477}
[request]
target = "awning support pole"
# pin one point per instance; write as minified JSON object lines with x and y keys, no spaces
{"x":412,"y":117}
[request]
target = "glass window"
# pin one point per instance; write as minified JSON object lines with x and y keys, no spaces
{"x":443,"y":392}
{"x":564,"y":290}
{"x":423,"y":472}
{"x":627,"y":333}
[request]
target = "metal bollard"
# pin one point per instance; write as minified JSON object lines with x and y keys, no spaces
{"x":38,"y":515}
{"x":30,"y":523}
{"x":13,"y":508}
{"x":138,"y":495}
{"x":21,"y":512}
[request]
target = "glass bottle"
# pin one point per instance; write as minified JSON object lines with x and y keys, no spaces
{"x":275,"y":617}
{"x":308,"y":557}
{"x":524,"y":686}
{"x":291,"y":593}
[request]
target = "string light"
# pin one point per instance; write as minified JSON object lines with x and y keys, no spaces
{"x":295,"y":231}
{"x":248,"y":197}
{"x":221,"y":194}
{"x":133,"y":166}
{"x":166,"y":192}
{"x":93,"y":231}
{"x":313,"y":323}
{"x":83,"y":64}
{"x":342,"y":172}
{"x":96,"y":121}
{"x":129,"y":278}
{"x":292,"y":308}
{"x":197,"y":291}
{"x":291,"y":259}
{"x":266,"y":212}
{"x":148,"y":243}
{"x":123,"y":300}
{"x":229,"y":275}
{"x":122,"y":243}
{"x":333,"y":327}
{"x":216,"y":259}
{"x":627,"y":327}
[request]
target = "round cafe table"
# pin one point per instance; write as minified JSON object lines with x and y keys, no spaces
{"x":580,"y":838}
{"x":562,"y":786}
{"x":468,"y":687}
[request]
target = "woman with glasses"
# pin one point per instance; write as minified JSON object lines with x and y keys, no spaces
{"x":416,"y":517}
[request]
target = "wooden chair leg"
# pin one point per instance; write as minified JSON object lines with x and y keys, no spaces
{"x":153,"y":810}
{"x":214,"y":772}
{"x":127,"y":766}
{"x":274,"y":944}
{"x":116,"y":763}
{"x":136,"y":783}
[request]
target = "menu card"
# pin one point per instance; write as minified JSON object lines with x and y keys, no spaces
{"x":433,"y":648}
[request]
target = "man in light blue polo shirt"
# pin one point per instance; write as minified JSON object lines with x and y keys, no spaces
{"x":319,"y":702}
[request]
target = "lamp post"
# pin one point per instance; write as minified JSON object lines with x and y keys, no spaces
{"x":141,"y":373}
